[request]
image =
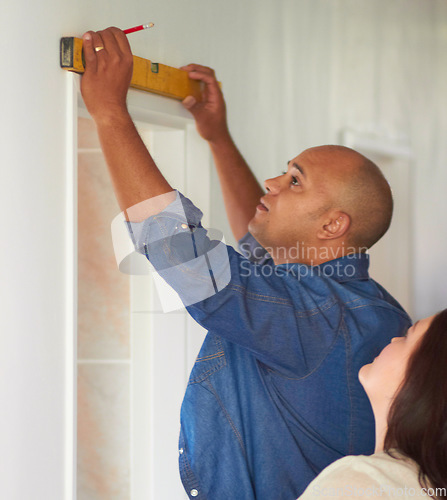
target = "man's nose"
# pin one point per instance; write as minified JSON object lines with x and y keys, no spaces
{"x":272,"y":185}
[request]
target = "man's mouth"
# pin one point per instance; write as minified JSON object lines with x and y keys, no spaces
{"x":262,"y":206}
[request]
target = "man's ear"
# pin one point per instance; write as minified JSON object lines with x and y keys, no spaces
{"x":335,"y":225}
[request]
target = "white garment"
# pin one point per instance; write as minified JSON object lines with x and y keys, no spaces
{"x":375,"y":476}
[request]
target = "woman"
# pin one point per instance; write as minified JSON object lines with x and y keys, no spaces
{"x":407,"y":387}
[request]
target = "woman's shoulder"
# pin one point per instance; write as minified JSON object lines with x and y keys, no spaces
{"x":380,"y":460}
{"x":377,"y":461}
{"x":359,"y":476}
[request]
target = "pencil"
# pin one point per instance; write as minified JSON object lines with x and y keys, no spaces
{"x":139,"y":28}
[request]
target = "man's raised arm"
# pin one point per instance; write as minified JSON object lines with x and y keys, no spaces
{"x":135,"y":177}
{"x":241,"y":191}
{"x":104,"y":87}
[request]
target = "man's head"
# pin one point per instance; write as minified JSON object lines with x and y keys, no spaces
{"x":331,"y":201}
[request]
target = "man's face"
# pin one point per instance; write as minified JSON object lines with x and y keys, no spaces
{"x":292,"y":211}
{"x":297,"y":204}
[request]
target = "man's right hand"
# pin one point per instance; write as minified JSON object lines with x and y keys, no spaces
{"x":210,"y":112}
{"x":108,"y":72}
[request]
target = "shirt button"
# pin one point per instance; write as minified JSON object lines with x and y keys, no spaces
{"x":180,"y":451}
{"x":194,"y":493}
{"x":184,"y":226}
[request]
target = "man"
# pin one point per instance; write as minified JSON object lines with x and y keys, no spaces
{"x":274,"y":396}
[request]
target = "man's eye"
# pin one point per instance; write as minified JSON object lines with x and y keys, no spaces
{"x":295,"y":181}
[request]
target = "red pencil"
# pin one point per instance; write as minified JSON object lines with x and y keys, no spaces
{"x":139,"y":28}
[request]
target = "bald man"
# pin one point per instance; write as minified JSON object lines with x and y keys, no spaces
{"x":273,"y":397}
{"x":341,"y":199}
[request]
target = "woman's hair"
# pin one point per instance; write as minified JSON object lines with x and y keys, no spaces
{"x":417,"y":421}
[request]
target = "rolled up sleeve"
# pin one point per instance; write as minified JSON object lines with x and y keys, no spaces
{"x":190,"y":259}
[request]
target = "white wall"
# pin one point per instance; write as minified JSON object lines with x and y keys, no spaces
{"x":32,"y":249}
{"x":294,"y":73}
{"x":389,"y":75}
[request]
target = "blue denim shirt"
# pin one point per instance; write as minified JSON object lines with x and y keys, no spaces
{"x":274,"y":395}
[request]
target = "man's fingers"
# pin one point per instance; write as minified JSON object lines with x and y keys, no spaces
{"x":91,"y":61}
{"x":212,"y":88}
{"x":198,"y":67}
{"x":122,"y":40}
{"x":98,"y":42}
{"x":209,"y":80}
{"x":189,"y":102}
{"x":110,"y":41}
